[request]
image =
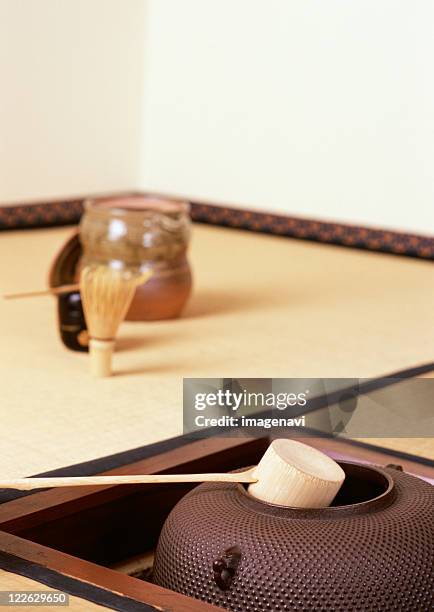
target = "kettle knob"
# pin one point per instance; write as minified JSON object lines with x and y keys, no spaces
{"x":224,"y":567}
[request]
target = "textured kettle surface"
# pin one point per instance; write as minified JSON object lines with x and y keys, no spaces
{"x":375,"y":556}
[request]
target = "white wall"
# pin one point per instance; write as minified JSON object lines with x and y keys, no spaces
{"x":321,"y":108}
{"x":71,"y":96}
{"x":317,"y":108}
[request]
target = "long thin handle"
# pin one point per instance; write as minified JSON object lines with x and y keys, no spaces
{"x":26,"y":484}
{"x":51,"y":291}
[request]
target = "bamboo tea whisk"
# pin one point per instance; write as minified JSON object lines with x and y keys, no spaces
{"x":106,"y":294}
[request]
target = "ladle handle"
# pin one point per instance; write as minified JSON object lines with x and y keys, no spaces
{"x":26,"y":484}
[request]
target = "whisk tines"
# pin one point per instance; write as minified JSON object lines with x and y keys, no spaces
{"x":106,"y":294}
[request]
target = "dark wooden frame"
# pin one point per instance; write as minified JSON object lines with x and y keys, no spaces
{"x":39,"y":532}
{"x":66,"y":212}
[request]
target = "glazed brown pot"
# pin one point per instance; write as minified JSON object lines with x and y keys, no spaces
{"x":162,"y":297}
{"x":373,"y":549}
{"x":150,"y":232}
{"x":143,"y":233}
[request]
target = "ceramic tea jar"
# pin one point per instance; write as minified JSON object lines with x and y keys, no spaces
{"x":373,"y":549}
{"x":142,"y":232}
{"x":134,"y":230}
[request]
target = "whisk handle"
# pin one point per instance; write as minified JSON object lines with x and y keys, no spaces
{"x":101,"y":352}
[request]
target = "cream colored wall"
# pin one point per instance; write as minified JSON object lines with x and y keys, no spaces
{"x":322,"y":109}
{"x":71,"y":100}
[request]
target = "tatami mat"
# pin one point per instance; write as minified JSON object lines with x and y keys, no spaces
{"x":263,"y":306}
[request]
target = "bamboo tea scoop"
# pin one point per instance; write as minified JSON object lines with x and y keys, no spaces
{"x":51,"y":291}
{"x":289,"y":474}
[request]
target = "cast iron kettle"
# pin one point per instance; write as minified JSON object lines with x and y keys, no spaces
{"x":373,"y":549}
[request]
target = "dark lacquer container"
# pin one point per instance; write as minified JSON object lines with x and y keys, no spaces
{"x":373,"y":549}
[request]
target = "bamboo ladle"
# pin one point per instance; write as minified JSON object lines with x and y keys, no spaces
{"x":289,"y":474}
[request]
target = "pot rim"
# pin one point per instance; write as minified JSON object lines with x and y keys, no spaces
{"x":118,"y":205}
{"x":379,"y":502}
